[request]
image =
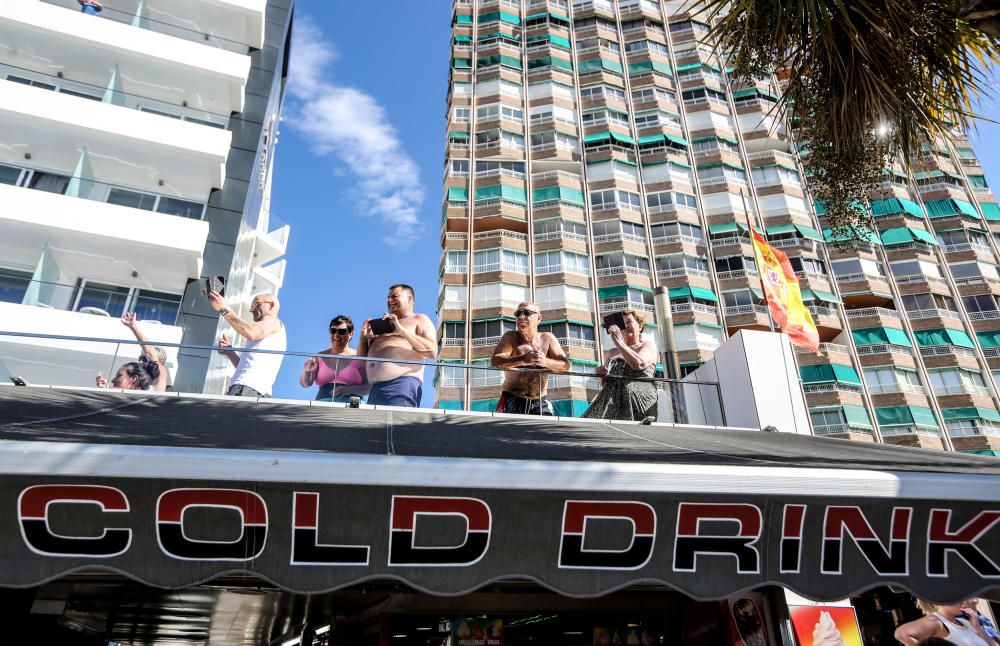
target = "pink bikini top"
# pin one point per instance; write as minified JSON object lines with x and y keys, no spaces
{"x":348,"y":375}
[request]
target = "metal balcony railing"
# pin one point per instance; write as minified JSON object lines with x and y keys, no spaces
{"x":82,"y":359}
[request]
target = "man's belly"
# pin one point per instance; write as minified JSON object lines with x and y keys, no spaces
{"x":379,"y":371}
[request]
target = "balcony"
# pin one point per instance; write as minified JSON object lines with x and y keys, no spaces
{"x":88,"y":311}
{"x":934,"y":313}
{"x":124,"y":146}
{"x":620,"y":270}
{"x":884,"y":348}
{"x":946,"y":351}
{"x":50,"y":39}
{"x":270,"y":240}
{"x":735,"y":310}
{"x":891,"y":389}
{"x":268,"y":279}
{"x":165,"y":250}
{"x":878,"y":312}
{"x":681,"y":308}
{"x":962,"y":389}
{"x":230,"y":25}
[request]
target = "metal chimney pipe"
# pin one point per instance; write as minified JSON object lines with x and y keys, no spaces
{"x":665,"y":325}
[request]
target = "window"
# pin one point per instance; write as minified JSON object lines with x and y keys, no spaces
{"x":681,"y":261}
{"x":721,"y":171}
{"x":925,"y":301}
{"x":499,"y":260}
{"x":462,"y":113}
{"x":455,"y":262}
{"x":888,"y":378}
{"x":460,"y":167}
{"x":48,"y":182}
{"x":734,"y":263}
{"x":955,"y":379}
{"x":552,"y":297}
{"x":566,"y":330}
{"x":811,"y":265}
{"x":155,"y":306}
{"x":738,"y":298}
{"x":766,"y":176}
{"x":973,"y":270}
{"x":551,"y":262}
{"x":491,"y":329}
{"x":602,"y":199}
{"x":703,"y":93}
{"x":116,"y":300}
{"x":857,"y":266}
{"x":611,"y":227}
{"x":833,"y":417}
{"x":10,"y":175}
{"x":711,"y":144}
{"x":981,"y":303}
{"x":669,"y":229}
{"x":13,"y":285}
{"x":610,"y":260}
{"x":554,"y":226}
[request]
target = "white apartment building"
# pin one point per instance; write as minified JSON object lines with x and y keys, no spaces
{"x":135,"y":160}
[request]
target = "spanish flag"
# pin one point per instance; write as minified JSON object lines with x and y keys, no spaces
{"x":781,"y":291}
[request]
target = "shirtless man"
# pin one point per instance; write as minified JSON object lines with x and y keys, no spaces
{"x":398,"y":384}
{"x":532,"y":355}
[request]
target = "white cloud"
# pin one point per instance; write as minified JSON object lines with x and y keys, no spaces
{"x":351,"y":126}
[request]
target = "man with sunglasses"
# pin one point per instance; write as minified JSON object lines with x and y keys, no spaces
{"x":255,"y":371}
{"x":528,"y":356}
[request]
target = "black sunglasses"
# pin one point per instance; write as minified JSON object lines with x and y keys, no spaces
{"x":524,"y":312}
{"x":340,"y":331}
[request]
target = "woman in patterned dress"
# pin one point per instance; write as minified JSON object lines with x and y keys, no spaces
{"x":622,"y":397}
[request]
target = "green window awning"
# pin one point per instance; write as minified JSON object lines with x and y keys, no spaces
{"x":501,"y":191}
{"x":989,"y":452}
{"x":500,"y":15}
{"x":689,"y":67}
{"x":927,"y":338}
{"x":458,"y":195}
{"x":680,"y":141}
{"x":506,"y":61}
{"x":651,"y":139}
{"x":458,"y":135}
{"x":643,"y":67}
{"x":714,"y":138}
{"x":809,"y":233}
{"x":692,"y":292}
{"x":865,"y":235}
{"x":826,"y":297}
{"x":989,"y":338}
{"x":500,"y":34}
{"x":857,"y":416}
{"x":830,"y":372}
{"x":906,"y":235}
{"x":545,"y":14}
{"x":595,"y":64}
{"x":906,"y":416}
{"x":893,"y":205}
{"x":726,"y":227}
{"x":549,"y":38}
{"x":546,"y":61}
{"x":780,"y":229}
{"x":553,"y":193}
{"x":463,"y":19}
{"x":991,"y":210}
{"x":951,"y":206}
{"x":614,"y":291}
{"x":970,"y":412}
{"x":462,"y":39}
{"x":607,"y":136}
{"x":880,"y":335}
{"x":461,"y":63}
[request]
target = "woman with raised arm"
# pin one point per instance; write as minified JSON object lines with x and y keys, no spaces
{"x":338,"y":379}
{"x":622,"y":396}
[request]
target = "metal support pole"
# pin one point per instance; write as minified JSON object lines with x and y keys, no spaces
{"x":668,"y":356}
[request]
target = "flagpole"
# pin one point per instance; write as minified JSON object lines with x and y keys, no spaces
{"x":760,"y":273}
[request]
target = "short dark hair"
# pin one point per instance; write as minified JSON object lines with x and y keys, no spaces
{"x":343,"y":318}
{"x":145,"y":373}
{"x":404,"y":287}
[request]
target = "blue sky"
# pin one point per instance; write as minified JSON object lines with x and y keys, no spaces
{"x":360,"y":160}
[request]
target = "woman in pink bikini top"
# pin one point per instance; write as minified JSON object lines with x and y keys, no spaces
{"x":338,"y":378}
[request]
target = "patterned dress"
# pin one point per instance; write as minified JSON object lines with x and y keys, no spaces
{"x":621,"y":397}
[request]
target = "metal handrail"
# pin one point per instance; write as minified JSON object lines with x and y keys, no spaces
{"x":320,"y":355}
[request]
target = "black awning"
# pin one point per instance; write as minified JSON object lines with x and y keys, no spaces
{"x":313,"y":498}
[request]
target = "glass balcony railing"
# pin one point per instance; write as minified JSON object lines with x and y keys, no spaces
{"x":107,"y":94}
{"x":59,"y":182}
{"x":89,"y":297}
{"x":179,"y":26}
{"x":447,"y":386}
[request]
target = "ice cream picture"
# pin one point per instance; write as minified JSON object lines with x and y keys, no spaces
{"x":826,"y":632}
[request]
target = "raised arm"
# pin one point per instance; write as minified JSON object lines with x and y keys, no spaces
{"x":639,"y":359}
{"x":129,"y":321}
{"x":249,"y":330}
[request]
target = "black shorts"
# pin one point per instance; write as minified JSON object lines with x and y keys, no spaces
{"x":513,"y":404}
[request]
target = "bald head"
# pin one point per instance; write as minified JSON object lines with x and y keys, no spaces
{"x":264,"y":305}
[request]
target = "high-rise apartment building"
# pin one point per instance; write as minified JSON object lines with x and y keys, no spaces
{"x":597,"y":149}
{"x":136,"y":146}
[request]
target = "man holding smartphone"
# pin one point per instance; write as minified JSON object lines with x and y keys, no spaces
{"x":532,"y":355}
{"x":400,"y":334}
{"x":255,"y":371}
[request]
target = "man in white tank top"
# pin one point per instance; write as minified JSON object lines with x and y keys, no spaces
{"x":255,"y":371}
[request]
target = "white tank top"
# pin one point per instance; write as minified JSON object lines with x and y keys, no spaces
{"x":258,"y":370}
{"x":961,"y":633}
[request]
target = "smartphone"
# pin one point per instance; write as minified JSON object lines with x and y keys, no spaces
{"x":215,"y":284}
{"x":614,"y":318}
{"x":18,"y":381}
{"x":380,"y":326}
